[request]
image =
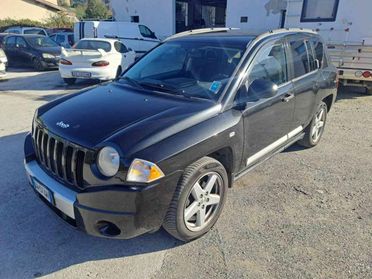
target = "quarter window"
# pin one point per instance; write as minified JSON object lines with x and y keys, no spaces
{"x":300,"y":58}
{"x":270,"y":64}
{"x":319,"y":10}
{"x":312,"y":64}
{"x":319,"y":52}
{"x":11,"y":41}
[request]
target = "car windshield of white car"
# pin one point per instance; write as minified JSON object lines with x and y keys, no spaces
{"x":93,"y":45}
{"x":188,"y":68}
{"x":40,"y":42}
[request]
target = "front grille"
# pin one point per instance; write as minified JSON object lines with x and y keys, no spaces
{"x":61,"y":158}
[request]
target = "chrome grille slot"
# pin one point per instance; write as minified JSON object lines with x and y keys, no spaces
{"x":59,"y":157}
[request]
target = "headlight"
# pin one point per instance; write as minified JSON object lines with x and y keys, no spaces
{"x":48,"y":55}
{"x":108,"y":161}
{"x":143,"y":171}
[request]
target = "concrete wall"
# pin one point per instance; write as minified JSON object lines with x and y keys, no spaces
{"x":354,"y":15}
{"x":20,"y":9}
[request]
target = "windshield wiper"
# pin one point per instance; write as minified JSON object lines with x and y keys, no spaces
{"x":132,"y":81}
{"x":165,"y":88}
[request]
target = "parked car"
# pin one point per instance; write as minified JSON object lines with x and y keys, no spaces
{"x":102,"y":59}
{"x":52,"y":31}
{"x":37,"y":51}
{"x":65,"y":39}
{"x":3,"y":63}
{"x":134,"y":35}
{"x":26,"y":30}
{"x":161,"y":145}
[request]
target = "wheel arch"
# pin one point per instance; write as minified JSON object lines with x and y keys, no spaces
{"x":328,"y":101}
{"x":226,"y":157}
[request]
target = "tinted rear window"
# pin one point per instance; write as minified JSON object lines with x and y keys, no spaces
{"x":94,"y":45}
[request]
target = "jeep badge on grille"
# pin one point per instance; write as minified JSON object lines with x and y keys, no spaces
{"x":62,"y":124}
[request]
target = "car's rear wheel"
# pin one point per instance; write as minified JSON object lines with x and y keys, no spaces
{"x":198,"y":200}
{"x":314,"y":132}
{"x":38,"y":64}
{"x":69,"y":81}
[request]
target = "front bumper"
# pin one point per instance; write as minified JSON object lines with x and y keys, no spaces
{"x":114,"y":212}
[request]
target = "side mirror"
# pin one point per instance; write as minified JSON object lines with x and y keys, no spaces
{"x":262,"y":89}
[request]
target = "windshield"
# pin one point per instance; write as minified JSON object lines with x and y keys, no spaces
{"x":93,"y":45}
{"x":41,"y":42}
{"x":193,"y":69}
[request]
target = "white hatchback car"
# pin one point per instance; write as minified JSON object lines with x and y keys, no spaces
{"x":103,"y":59}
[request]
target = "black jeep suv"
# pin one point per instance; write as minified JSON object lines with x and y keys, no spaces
{"x":161,"y":145}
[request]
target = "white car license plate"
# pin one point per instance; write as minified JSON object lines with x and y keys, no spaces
{"x":81,"y":74}
{"x":44,"y":191}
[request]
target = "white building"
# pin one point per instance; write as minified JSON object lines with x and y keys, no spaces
{"x":166,"y":17}
{"x":336,"y":20}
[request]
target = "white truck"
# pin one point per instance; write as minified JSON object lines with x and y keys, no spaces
{"x":346,"y":27}
{"x":134,"y":35}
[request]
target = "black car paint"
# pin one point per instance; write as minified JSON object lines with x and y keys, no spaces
{"x":25,"y":56}
{"x":172,"y":132}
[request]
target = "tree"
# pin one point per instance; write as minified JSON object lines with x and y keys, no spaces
{"x":60,"y":19}
{"x":96,"y":9}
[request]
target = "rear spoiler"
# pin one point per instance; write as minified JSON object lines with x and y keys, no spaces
{"x":66,"y":52}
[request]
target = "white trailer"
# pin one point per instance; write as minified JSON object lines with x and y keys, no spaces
{"x":345,"y":25}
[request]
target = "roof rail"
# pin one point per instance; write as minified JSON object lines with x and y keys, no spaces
{"x":199,"y":31}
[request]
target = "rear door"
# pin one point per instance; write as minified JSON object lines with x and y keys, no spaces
{"x":267,"y":122}
{"x":305,"y":75}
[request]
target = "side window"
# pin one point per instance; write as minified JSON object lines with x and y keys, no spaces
{"x":145,"y":32}
{"x":10,"y":42}
{"x":21,"y":42}
{"x":60,"y":39}
{"x":319,"y":52}
{"x":300,"y":59}
{"x":70,"y":39}
{"x":270,"y":64}
{"x":120,"y":47}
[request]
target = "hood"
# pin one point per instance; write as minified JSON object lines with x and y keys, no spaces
{"x":52,"y":50}
{"x":122,"y":115}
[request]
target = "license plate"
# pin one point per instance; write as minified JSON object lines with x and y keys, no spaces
{"x":43,"y":191}
{"x":81,"y":74}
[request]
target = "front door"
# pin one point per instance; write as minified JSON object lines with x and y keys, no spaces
{"x":268,"y":120}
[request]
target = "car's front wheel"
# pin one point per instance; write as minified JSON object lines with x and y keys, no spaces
{"x":38,"y":64}
{"x":198,"y":200}
{"x":314,"y":131}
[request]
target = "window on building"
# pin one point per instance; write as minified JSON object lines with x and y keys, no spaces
{"x":319,"y":10}
{"x":134,"y":19}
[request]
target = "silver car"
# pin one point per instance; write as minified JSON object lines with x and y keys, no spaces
{"x":3,"y":63}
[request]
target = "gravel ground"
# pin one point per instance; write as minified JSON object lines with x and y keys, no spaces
{"x":306,"y":213}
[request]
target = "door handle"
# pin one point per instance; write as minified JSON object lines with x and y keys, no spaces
{"x":287,"y":97}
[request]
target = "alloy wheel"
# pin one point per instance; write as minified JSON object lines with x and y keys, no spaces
{"x":318,"y":125}
{"x":203,"y":201}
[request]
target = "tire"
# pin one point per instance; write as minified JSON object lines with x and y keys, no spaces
{"x":311,"y":139}
{"x":118,"y":72}
{"x":69,"y":81}
{"x":211,"y":203}
{"x":38,"y":64}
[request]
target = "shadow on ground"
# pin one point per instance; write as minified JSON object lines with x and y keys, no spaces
{"x":24,"y":80}
{"x":35,"y":242}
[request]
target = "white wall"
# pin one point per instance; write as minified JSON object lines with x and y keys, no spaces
{"x":263,"y":15}
{"x":158,"y":15}
{"x":352,"y":14}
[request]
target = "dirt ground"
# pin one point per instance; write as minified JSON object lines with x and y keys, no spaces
{"x":306,"y":213}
